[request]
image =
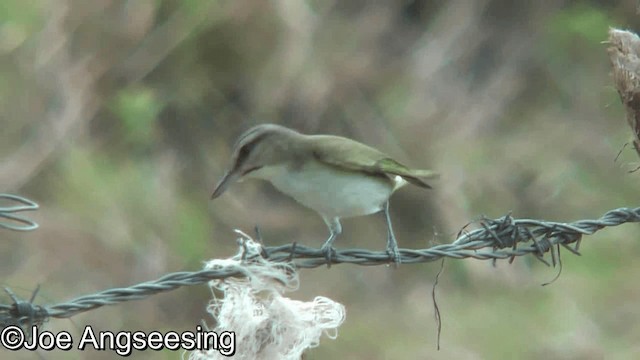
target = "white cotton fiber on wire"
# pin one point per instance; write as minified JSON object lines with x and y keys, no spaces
{"x":267,"y":325}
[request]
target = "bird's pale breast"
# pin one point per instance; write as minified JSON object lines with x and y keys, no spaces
{"x":330,"y":191}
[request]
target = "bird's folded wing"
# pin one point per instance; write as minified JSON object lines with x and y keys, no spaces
{"x":350,"y":154}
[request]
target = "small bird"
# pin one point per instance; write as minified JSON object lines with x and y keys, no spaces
{"x":335,"y":176}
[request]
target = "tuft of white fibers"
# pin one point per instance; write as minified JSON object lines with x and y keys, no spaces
{"x":267,"y":325}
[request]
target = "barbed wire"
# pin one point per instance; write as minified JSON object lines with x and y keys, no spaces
{"x":14,"y":222}
{"x":493,"y":239}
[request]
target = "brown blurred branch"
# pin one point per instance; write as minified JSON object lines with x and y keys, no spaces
{"x":624,"y":53}
{"x":73,"y":92}
{"x":73,"y":80}
{"x":159,"y":43}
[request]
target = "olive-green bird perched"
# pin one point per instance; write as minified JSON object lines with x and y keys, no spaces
{"x":335,"y":176}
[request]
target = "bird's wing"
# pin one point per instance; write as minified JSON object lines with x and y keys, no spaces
{"x":350,"y":154}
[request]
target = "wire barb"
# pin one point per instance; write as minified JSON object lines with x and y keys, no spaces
{"x":22,"y":313}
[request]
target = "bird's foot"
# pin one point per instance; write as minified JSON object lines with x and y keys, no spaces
{"x":394,"y":253}
{"x":329,"y":253}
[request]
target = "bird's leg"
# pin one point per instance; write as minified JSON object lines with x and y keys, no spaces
{"x":392,"y":244}
{"x":335,"y":229}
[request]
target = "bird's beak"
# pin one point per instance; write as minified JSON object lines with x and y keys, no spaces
{"x":229,"y":178}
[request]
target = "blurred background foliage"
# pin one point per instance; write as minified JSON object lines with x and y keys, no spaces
{"x":118,"y":117}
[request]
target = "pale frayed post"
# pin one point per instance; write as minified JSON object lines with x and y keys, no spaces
{"x":624,"y":53}
{"x":267,"y":325}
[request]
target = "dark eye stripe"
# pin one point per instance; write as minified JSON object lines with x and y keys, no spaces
{"x":245,"y":149}
{"x":252,"y":170}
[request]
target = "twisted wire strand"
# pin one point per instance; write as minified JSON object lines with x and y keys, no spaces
{"x":14,"y":222}
{"x":502,"y":238}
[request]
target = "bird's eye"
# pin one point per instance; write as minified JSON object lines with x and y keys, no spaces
{"x":244,"y":151}
{"x":242,"y":154}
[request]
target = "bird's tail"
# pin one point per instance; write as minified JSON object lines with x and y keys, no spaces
{"x":425,"y":174}
{"x":416,"y":177}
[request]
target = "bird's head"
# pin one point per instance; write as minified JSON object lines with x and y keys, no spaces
{"x":260,"y":146}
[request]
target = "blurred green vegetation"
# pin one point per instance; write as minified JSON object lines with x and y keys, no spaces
{"x":582,"y":22}
{"x":138,"y":110}
{"x":118,"y":118}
